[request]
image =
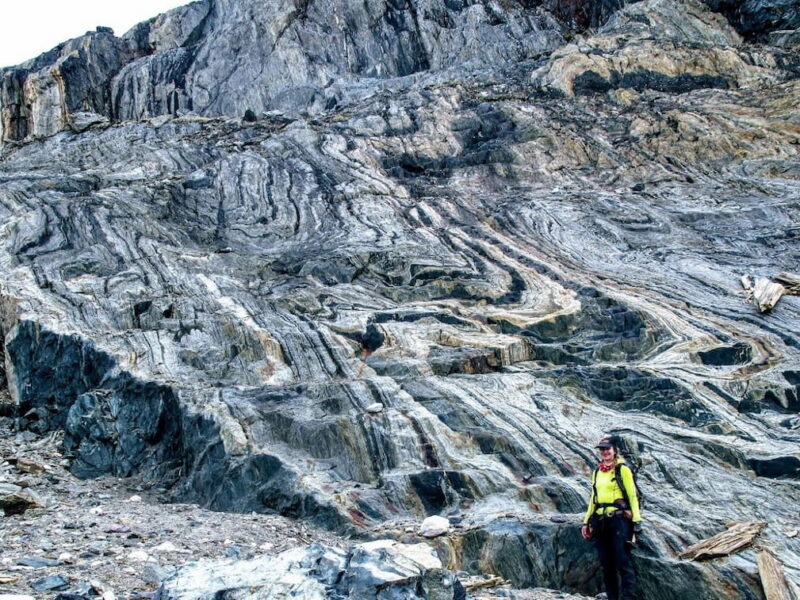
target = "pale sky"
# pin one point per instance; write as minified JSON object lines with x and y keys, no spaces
{"x":30,"y":27}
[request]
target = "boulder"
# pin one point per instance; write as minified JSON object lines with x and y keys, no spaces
{"x":81,"y":121}
{"x":434,"y":526}
{"x":381,"y":569}
{"x":15,"y":500}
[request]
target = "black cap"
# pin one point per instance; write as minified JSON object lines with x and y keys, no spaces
{"x":605,"y":443}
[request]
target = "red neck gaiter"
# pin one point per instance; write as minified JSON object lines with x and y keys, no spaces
{"x":605,"y":468}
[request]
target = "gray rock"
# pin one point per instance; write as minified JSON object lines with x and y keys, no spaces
{"x":93,"y":588}
{"x":81,"y":121}
{"x":785,"y":38}
{"x":52,"y":583}
{"x":9,"y":488}
{"x":37,"y":562}
{"x":757,"y":18}
{"x":382,"y":569}
{"x":249,"y":55}
{"x":631,"y":53}
{"x":515,"y":245}
{"x":15,"y":500}
{"x":155,"y":574}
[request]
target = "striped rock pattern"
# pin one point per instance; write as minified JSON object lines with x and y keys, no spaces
{"x":514,"y":247}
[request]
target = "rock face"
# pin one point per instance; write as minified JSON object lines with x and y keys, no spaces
{"x":225,"y":57}
{"x":233,"y":58}
{"x":756,"y":18}
{"x":230,"y":234}
{"x":651,"y":46}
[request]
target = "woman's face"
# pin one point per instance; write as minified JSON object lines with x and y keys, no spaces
{"x":607,"y":454}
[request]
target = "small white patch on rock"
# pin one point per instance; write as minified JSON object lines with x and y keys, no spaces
{"x":422,"y":554}
{"x":375,"y":408}
{"x":166,"y":547}
{"x":434,"y":526}
{"x":139,"y":556}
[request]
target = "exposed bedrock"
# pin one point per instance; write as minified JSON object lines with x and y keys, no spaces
{"x":118,"y":424}
{"x":756,"y":18}
{"x":650,"y":45}
{"x":751,"y":18}
{"x":237,"y":58}
{"x":521,"y":551}
{"x":377,"y":570}
{"x":433,"y":296}
{"x":222,"y":57}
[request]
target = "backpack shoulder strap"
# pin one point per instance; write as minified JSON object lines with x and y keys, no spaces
{"x":620,"y":483}
{"x":594,"y":487}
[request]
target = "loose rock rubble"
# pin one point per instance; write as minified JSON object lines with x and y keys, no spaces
{"x":532,"y":594}
{"x":114,"y":539}
{"x":95,"y":537}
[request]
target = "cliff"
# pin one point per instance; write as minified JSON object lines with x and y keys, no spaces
{"x":362,"y":263}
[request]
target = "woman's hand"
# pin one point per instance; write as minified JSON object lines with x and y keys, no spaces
{"x":586,"y":532}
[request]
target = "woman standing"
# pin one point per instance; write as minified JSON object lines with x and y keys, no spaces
{"x":612,"y":519}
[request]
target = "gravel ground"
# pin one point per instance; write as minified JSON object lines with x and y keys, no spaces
{"x":111,"y":537}
{"x":110,"y":533}
{"x":532,"y":594}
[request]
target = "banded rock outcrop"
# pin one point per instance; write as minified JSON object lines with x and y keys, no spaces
{"x":374,"y":570}
{"x":509,"y":266}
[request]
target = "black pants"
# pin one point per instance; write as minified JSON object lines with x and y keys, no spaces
{"x":611,"y":536}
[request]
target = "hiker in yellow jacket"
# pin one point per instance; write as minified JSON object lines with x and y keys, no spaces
{"x":612,"y":520}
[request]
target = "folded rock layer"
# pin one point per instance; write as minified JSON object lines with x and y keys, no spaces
{"x":367,"y":264}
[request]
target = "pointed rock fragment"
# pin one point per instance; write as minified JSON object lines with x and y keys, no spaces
{"x":53,"y":583}
{"x":27,"y":465}
{"x":766,"y":294}
{"x":772,"y":578}
{"x":739,"y":535}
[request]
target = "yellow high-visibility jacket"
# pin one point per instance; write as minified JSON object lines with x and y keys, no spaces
{"x":608,"y":491}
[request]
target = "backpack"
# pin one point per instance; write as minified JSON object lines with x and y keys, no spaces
{"x":633,"y":462}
